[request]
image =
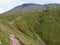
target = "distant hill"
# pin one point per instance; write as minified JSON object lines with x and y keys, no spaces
{"x":52,"y":5}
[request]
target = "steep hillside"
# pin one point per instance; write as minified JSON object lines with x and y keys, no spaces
{"x":32,"y":27}
{"x":22,"y":26}
{"x":49,"y":28}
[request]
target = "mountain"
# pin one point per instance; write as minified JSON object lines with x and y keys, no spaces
{"x":32,"y":7}
{"x":26,"y":8}
{"x":31,"y":24}
{"x":52,"y":5}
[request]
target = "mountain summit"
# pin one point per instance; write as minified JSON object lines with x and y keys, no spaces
{"x":26,"y":7}
{"x":31,"y":7}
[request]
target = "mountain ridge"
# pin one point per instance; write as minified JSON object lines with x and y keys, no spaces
{"x":31,"y":7}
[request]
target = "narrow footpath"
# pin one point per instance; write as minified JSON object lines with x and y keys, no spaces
{"x":14,"y":41}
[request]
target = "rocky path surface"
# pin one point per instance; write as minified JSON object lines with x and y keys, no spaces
{"x":14,"y":41}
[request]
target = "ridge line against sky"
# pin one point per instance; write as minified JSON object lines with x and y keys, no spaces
{"x":6,"y":5}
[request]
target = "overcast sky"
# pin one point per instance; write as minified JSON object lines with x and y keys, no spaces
{"x":9,"y":4}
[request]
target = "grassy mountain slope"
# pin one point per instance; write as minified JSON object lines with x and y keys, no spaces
{"x":31,"y":28}
{"x":22,"y":26}
{"x":49,"y":30}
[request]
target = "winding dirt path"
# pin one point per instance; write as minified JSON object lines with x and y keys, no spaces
{"x":14,"y":41}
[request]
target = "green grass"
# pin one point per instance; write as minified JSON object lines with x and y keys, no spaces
{"x":49,"y":30}
{"x":31,"y":28}
{"x":22,"y":27}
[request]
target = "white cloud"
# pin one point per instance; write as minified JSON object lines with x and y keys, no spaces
{"x":31,"y":1}
{"x":1,"y":10}
{"x":8,"y":4}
